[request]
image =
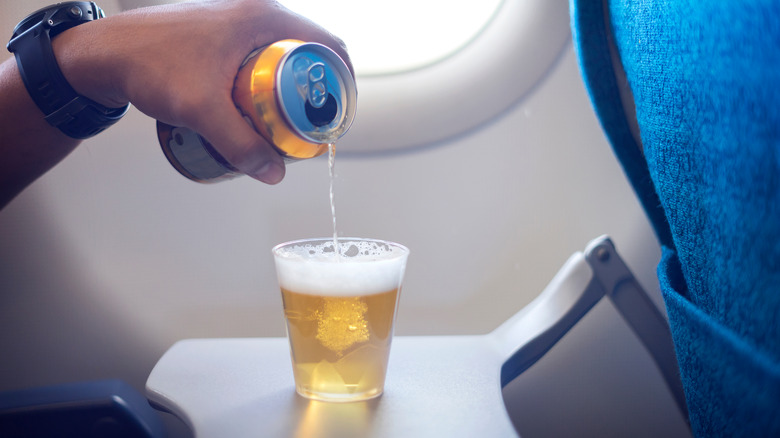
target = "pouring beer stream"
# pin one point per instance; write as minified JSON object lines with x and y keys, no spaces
{"x":332,"y":174}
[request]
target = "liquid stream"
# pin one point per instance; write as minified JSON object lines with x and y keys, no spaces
{"x":332,"y":174}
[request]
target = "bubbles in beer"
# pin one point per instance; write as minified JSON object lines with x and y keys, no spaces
{"x":341,"y":323}
{"x":340,"y":344}
{"x":364,"y":267}
{"x":319,"y":251}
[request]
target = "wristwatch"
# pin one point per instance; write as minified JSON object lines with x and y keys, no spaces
{"x":75,"y":115}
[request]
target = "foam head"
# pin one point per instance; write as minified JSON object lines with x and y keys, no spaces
{"x":362,"y":267}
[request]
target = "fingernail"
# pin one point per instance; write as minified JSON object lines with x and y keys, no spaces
{"x":270,"y":173}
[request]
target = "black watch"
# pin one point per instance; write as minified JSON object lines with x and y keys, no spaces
{"x":75,"y":115}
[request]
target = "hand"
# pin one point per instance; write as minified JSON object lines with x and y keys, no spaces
{"x":177,"y":63}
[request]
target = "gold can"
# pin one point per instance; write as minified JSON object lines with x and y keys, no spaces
{"x":299,"y":96}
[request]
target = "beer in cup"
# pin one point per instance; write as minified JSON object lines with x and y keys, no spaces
{"x":339,"y":306}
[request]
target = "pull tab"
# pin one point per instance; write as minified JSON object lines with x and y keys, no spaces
{"x":312,"y":83}
{"x":318,"y":85}
{"x":316,"y":93}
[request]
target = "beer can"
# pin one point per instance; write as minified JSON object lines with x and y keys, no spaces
{"x":299,"y":96}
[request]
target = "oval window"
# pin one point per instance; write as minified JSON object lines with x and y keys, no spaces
{"x":392,"y":37}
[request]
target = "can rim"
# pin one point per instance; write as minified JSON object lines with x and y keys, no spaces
{"x":342,"y":72}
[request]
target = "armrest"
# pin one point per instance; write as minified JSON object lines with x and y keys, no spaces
{"x":536,"y":328}
{"x":639,"y":312}
{"x":582,"y":281}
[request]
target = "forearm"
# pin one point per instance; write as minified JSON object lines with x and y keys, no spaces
{"x":29,"y":145}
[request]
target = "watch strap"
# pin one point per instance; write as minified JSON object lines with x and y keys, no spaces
{"x":75,"y":115}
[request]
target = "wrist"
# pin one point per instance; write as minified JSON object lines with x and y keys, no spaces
{"x":91,"y":69}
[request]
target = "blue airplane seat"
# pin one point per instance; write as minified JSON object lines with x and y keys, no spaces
{"x":687,"y":94}
{"x":93,"y":409}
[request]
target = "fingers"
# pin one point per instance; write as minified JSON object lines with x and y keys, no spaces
{"x":282,"y":23}
{"x":186,"y":79}
{"x":237,"y":141}
{"x":243,"y":147}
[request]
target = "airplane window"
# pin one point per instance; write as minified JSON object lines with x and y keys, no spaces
{"x":476,"y":64}
{"x":397,"y":36}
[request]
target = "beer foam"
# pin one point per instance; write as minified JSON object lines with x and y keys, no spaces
{"x":363,"y":267}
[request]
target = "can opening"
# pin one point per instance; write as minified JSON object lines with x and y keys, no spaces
{"x":323,"y":115}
